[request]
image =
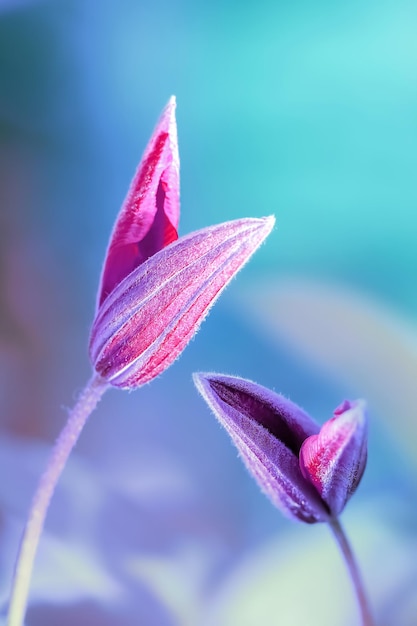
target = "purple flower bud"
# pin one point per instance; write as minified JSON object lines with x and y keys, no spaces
{"x":270,"y":432}
{"x":334,"y":460}
{"x":156,"y":289}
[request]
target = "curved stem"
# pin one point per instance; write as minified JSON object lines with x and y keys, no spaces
{"x":67,"y":439}
{"x":367,"y":619}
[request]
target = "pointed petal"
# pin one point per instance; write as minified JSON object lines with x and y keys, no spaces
{"x":255,"y":417}
{"x":148,"y":319}
{"x":334,"y":460}
{"x":148,"y":219}
{"x":284,"y":419}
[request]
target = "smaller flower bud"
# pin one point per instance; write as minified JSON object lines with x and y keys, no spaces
{"x":307,"y":472}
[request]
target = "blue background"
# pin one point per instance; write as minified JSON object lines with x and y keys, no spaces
{"x":304,"y":110}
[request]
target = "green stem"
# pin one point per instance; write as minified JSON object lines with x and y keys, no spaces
{"x":30,"y":539}
{"x":367,"y":619}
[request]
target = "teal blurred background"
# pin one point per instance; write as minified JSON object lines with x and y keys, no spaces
{"x":305,"y":110}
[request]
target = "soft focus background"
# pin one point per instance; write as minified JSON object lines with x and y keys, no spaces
{"x":305,"y":110}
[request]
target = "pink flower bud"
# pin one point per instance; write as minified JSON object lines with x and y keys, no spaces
{"x":156,"y":289}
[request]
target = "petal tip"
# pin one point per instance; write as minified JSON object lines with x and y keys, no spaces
{"x":269,"y":222}
{"x":198,"y":378}
{"x":265,"y":225}
{"x":168,"y":116}
{"x":172,"y":102}
{"x":202,"y":381}
{"x":354,"y":412}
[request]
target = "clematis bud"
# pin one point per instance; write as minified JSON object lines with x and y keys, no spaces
{"x":156,"y":289}
{"x":306,"y":472}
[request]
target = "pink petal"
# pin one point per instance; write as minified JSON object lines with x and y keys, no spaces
{"x":334,"y":460}
{"x":148,"y":219}
{"x":148,"y":319}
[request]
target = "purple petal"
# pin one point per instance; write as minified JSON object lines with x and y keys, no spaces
{"x":284,"y":419}
{"x":334,"y":460}
{"x":256,"y":419}
{"x":148,"y":319}
{"x":148,"y":219}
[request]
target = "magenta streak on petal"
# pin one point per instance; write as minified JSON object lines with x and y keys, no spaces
{"x":160,"y":234}
{"x":335,"y":459}
{"x":148,"y":219}
{"x":170,"y":297}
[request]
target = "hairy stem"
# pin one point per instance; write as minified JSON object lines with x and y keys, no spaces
{"x":367,"y":619}
{"x":66,"y":441}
